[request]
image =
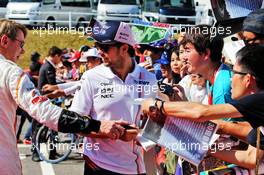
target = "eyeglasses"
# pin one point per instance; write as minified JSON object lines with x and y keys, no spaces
{"x":238,"y":72}
{"x":21,"y":43}
{"x":106,"y":47}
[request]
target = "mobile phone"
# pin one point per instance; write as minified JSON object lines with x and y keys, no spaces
{"x":149,"y":60}
{"x":128,"y":127}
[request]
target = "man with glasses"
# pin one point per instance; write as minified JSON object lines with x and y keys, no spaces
{"x":17,"y":89}
{"x":248,"y":95}
{"x":253,"y":27}
{"x":107,"y":92}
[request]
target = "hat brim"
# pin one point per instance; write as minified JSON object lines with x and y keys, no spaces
{"x":71,"y":60}
{"x":163,"y":62}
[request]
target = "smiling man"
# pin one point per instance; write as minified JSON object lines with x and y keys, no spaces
{"x":107,"y":92}
{"x":248,"y":95}
{"x":203,"y":56}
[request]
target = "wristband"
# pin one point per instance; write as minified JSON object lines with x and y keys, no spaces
{"x":95,"y":125}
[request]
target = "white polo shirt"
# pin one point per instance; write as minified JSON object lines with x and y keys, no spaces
{"x":104,"y":96}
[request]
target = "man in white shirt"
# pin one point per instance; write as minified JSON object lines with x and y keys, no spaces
{"x":17,"y":89}
{"x":107,"y":92}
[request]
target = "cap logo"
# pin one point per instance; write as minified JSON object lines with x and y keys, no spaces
{"x":101,"y":30}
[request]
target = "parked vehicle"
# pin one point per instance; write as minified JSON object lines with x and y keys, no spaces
{"x":121,"y":10}
{"x":52,"y":12}
{"x":3,"y":4}
{"x":171,"y":11}
{"x":204,"y":12}
{"x":178,"y":11}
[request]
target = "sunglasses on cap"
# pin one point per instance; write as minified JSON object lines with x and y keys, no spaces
{"x":252,"y":40}
{"x":106,"y":47}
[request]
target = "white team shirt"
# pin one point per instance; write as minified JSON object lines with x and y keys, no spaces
{"x":104,"y":96}
{"x":17,"y":89}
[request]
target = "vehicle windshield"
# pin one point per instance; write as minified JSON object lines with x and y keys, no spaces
{"x":125,"y":2}
{"x":24,"y":0}
{"x":177,"y":3}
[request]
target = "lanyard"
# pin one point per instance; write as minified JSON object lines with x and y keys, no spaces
{"x":140,"y":95}
{"x":210,"y":87}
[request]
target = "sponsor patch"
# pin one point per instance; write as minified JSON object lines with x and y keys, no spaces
{"x":39,"y":99}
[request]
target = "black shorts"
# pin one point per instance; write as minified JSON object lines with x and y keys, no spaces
{"x":91,"y":168}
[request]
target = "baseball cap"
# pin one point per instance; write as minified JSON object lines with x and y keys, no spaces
{"x":164,"y":59}
{"x":254,"y":22}
{"x":93,"y":52}
{"x":75,"y":56}
{"x":112,"y":31}
{"x":84,"y":48}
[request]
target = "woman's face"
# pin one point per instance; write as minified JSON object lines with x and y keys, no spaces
{"x":182,"y":55}
{"x":176,"y":63}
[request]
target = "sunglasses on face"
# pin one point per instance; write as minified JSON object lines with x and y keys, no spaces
{"x":106,"y":47}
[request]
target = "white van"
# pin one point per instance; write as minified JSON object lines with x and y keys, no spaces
{"x":53,"y":12}
{"x":120,"y":10}
{"x":204,"y":12}
{"x":3,"y":4}
{"x":189,"y":12}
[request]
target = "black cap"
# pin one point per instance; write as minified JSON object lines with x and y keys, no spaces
{"x":112,"y":31}
{"x":254,"y":22}
{"x":35,"y":56}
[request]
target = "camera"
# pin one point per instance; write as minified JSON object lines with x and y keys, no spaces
{"x":165,"y":88}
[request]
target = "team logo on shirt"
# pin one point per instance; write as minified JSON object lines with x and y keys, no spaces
{"x":39,"y":99}
{"x":141,"y":82}
{"x":107,"y":90}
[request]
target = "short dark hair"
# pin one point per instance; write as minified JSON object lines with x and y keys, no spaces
{"x":34,"y":56}
{"x":54,"y":50}
{"x":251,"y":60}
{"x":175,"y":50}
{"x":200,"y":38}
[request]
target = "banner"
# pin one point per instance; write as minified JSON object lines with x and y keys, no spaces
{"x":149,"y":32}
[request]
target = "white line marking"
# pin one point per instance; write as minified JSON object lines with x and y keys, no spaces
{"x":22,"y":156}
{"x":23,"y":146}
{"x":46,"y":168}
